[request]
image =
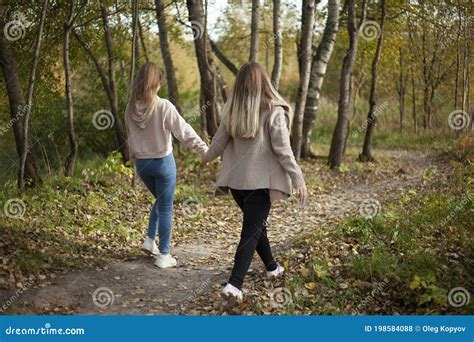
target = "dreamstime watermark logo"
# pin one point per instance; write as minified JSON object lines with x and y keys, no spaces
{"x":378,"y":110}
{"x":377,"y":290}
{"x":280,"y":297}
{"x":369,"y":208}
{"x":14,"y":208}
{"x":453,"y":212}
{"x":21,"y":112}
{"x":46,"y":330}
{"x":103,"y":297}
{"x":15,"y":29}
{"x":198,"y":30}
{"x":196,"y":117}
{"x":192,"y":207}
{"x":370,"y":30}
{"x":269,"y":42}
{"x":197,"y":292}
{"x":16,"y":295}
{"x":280,"y":122}
{"x":458,"y":297}
{"x":458,"y":120}
{"x":103,"y":119}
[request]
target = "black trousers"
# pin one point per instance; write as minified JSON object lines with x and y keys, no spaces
{"x":255,"y":205}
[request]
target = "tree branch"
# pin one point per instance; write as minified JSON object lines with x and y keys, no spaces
{"x":226,"y":61}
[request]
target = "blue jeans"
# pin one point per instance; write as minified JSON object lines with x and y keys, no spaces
{"x":159,"y":176}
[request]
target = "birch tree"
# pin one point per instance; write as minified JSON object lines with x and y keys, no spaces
{"x":305,"y":68}
{"x":318,"y":71}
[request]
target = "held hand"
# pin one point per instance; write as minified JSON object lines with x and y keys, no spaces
{"x":303,"y":194}
{"x":203,"y":159}
{"x":203,"y":156}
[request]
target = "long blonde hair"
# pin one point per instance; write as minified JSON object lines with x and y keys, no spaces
{"x":253,"y":94}
{"x":146,"y":84}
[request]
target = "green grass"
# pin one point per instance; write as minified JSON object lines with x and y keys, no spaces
{"x":86,"y":220}
{"x":418,"y":247}
{"x":387,"y":134}
{"x":389,"y":139}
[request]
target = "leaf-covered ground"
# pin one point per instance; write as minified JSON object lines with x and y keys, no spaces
{"x":77,"y":250}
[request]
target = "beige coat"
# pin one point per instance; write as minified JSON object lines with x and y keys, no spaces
{"x":263,"y":162}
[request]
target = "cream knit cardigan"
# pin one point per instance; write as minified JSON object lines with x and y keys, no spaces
{"x":150,"y":130}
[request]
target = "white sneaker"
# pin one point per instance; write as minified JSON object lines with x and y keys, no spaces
{"x":165,"y":261}
{"x":275,"y":273}
{"x":231,"y":293}
{"x":149,"y":245}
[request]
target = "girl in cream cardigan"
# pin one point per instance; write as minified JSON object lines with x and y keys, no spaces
{"x":151,"y":121}
{"x":258,"y":165}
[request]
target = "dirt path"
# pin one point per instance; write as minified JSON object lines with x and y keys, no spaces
{"x":135,"y":286}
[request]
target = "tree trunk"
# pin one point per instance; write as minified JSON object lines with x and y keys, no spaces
{"x":134,"y":52}
{"x":173,"y":92}
{"x":355,"y":97}
{"x":465,"y":77}
{"x":209,"y":83}
{"x":136,"y":30}
{"x":142,"y":40}
{"x":371,"y":117}
{"x":456,"y":81}
{"x":458,"y":56}
{"x":221,"y":86}
{"x":337,"y":142}
{"x":277,"y":39}
{"x":426,"y":82}
{"x":254,"y":31}
{"x":464,"y":33}
{"x":112,"y":93}
{"x":31,"y":85}
{"x":70,"y":165}
{"x":413,"y":100}
{"x":17,"y":110}
{"x":318,"y":71}
{"x":401,"y":87}
{"x":354,"y":112}
{"x":305,"y":69}
{"x":402,"y":110}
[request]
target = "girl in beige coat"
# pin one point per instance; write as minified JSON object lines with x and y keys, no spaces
{"x":258,"y":165}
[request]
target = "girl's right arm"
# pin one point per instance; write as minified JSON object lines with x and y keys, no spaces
{"x":280,"y":142}
{"x":219,"y":141}
{"x":183,"y":131}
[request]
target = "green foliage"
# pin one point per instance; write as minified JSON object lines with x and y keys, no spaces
{"x":419,"y":247}
{"x":74,"y":222}
{"x":95,"y":217}
{"x":109,"y":169}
